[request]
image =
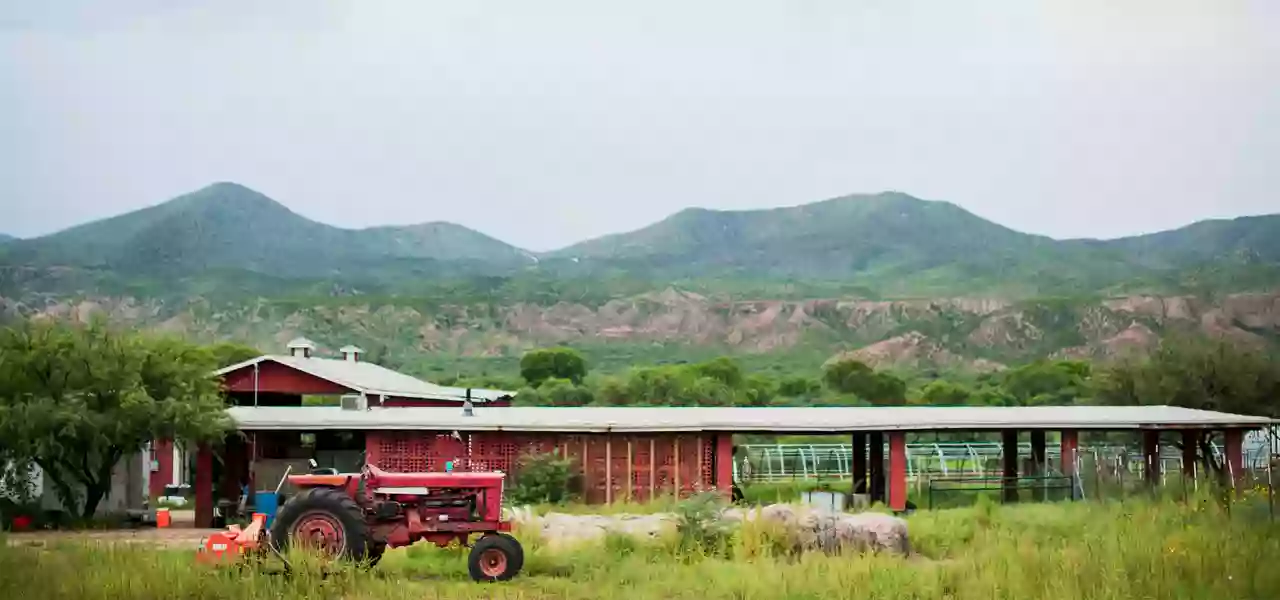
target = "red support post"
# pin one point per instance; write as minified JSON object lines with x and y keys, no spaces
{"x":162,"y":475}
{"x":1190,"y":452}
{"x":897,"y":471}
{"x":1233,"y":447}
{"x":724,"y":464}
{"x":1069,"y":448}
{"x":204,"y":487}
{"x":1151,"y":456}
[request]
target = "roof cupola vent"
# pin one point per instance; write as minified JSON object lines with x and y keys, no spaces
{"x":301,"y":347}
{"x":351,"y":353}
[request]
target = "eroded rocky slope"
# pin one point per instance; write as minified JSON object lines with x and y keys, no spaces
{"x":973,"y":333}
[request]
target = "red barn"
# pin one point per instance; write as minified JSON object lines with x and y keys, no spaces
{"x":401,"y":423}
{"x":283,"y":380}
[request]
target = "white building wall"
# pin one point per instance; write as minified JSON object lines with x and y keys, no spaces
{"x":128,"y":487}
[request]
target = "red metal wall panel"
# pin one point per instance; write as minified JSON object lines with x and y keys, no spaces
{"x":613,"y":468}
{"x":275,"y":377}
{"x":723,"y":460}
{"x":161,"y":476}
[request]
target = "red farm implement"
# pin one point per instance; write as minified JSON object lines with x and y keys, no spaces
{"x":357,"y":516}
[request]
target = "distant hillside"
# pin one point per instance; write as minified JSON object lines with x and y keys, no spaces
{"x":1243,"y":240}
{"x":967,"y":334}
{"x":898,"y":244}
{"x":229,"y":226}
{"x":4,"y":237}
{"x":894,"y":280}
{"x":230,"y":241}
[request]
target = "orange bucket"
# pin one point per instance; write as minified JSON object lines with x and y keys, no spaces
{"x":162,"y":517}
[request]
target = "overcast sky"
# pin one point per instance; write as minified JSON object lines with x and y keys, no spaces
{"x":544,"y":123}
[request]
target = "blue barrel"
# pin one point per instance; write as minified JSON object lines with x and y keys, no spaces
{"x":266,"y":502}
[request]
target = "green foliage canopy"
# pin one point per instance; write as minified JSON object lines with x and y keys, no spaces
{"x":1197,"y":372}
{"x":1046,"y":382}
{"x":850,"y":376}
{"x":77,"y":399}
{"x":225,"y":354}
{"x":542,"y":364}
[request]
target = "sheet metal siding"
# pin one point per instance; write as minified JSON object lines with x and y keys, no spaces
{"x":275,"y":378}
{"x":675,"y":420}
{"x":612,"y":467}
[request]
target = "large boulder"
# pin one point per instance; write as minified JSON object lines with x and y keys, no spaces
{"x":558,"y":529}
{"x":808,"y":529}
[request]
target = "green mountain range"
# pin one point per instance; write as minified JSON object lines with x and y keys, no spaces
{"x":887,"y":244}
{"x":897,"y":280}
{"x":898,"y":244}
{"x":228,"y":226}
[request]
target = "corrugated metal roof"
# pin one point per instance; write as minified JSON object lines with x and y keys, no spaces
{"x":741,"y":419}
{"x":371,"y":379}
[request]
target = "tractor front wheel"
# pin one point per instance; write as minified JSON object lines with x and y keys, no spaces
{"x":495,"y":558}
{"x":322,"y":519}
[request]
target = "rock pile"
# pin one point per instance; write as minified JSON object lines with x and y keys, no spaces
{"x":810,"y":530}
{"x":560,"y":528}
{"x":806,"y":529}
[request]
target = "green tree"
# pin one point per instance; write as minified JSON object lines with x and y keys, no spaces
{"x":759,"y":390}
{"x":798,"y":385}
{"x":611,"y":391}
{"x":1197,"y":372}
{"x":562,"y":392}
{"x":539,"y":365}
{"x":854,"y":377}
{"x":1046,"y":382}
{"x":76,"y":399}
{"x":225,"y":354}
{"x":944,"y":393}
{"x":723,"y":369}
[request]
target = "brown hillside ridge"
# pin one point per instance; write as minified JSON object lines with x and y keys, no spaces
{"x":973,"y":333}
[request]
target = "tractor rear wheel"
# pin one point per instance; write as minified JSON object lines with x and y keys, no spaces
{"x":518,"y":547}
{"x":322,"y":519}
{"x":495,"y":558}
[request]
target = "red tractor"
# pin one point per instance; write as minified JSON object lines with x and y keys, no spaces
{"x":358,"y":516}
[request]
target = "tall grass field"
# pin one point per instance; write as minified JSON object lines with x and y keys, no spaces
{"x":1113,"y":550}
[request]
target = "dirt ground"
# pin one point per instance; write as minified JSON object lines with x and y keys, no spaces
{"x":181,"y":534}
{"x":171,"y":537}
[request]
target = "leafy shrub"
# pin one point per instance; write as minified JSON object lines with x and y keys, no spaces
{"x":699,"y":525}
{"x":556,"y":392}
{"x":540,"y":365}
{"x":798,"y":385}
{"x":853,"y":377}
{"x":544,"y":479}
